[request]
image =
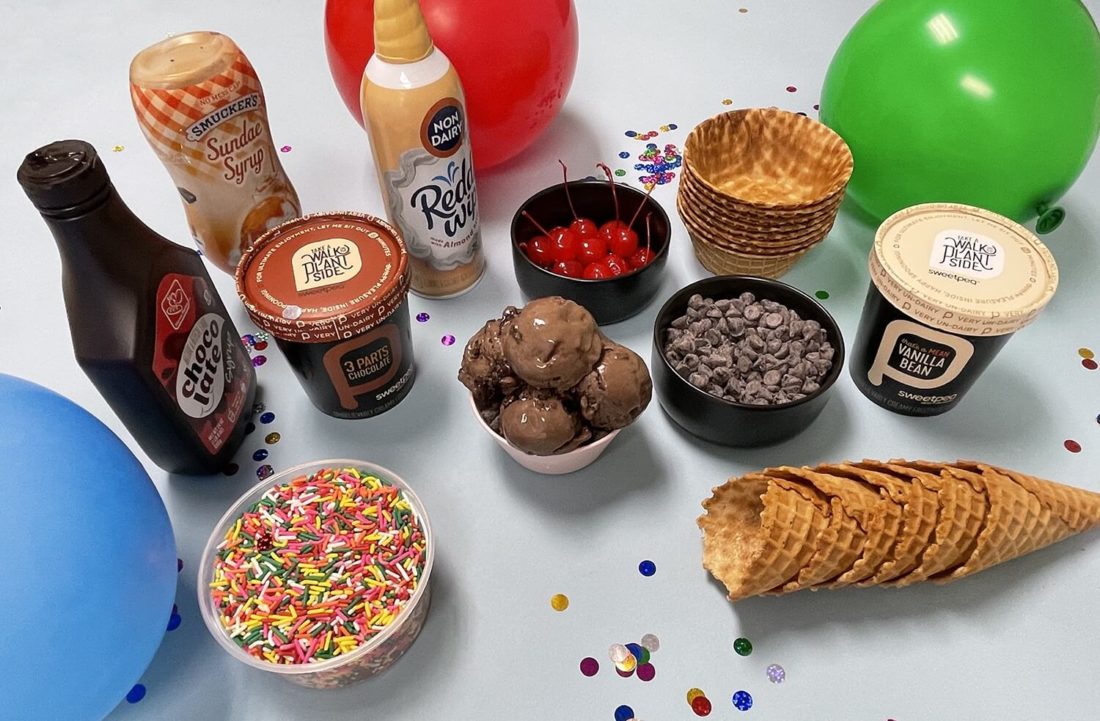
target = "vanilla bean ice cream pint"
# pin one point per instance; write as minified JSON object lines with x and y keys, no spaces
{"x":950,"y":284}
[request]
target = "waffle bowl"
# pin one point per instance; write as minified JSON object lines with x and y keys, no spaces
{"x":755,"y":240}
{"x":690,"y":179}
{"x":728,"y":262}
{"x":770,"y":218}
{"x":768,"y":158}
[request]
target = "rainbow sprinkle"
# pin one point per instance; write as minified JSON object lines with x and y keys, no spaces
{"x":318,"y":566}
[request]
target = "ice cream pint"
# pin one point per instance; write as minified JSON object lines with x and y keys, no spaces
{"x":332,"y":289}
{"x":415,"y":114}
{"x":201,"y":107}
{"x":949,"y":285}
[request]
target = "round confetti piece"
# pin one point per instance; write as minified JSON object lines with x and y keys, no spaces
{"x":642,"y":655}
{"x":590,"y":666}
{"x":1072,"y":446}
{"x":624,"y":674}
{"x":647,"y":568}
{"x":1089,"y":363}
{"x":179,"y":565}
{"x":1086,"y":353}
{"x":624,"y":713}
{"x":447,"y":339}
{"x":630,"y":134}
{"x":259,"y":361}
{"x":249,"y":427}
{"x":422,"y":317}
{"x":646,"y":672}
{"x":260,"y":454}
{"x":559,"y":602}
{"x":672,"y":126}
{"x":727,"y":101}
{"x":742,"y":10}
{"x":701,"y":706}
{"x":617,"y":653}
{"x":624,"y":155}
{"x":620,"y":172}
{"x":285,"y":149}
{"x":119,"y":148}
{"x":635,"y":651}
{"x":651,"y":643}
{"x":628,"y":664}
{"x":817,"y":107}
{"x":792,"y":89}
{"x":272,"y":438}
{"x":267,"y":417}
{"x":261,"y":345}
{"x":775,"y":673}
{"x":694,"y":693}
{"x":174,"y":621}
{"x":247,"y":339}
{"x":231,"y":469}
{"x":742,"y":700}
{"x":136,"y":694}
{"x":264,"y":471}
{"x":742,"y":646}
{"x":822,"y":295}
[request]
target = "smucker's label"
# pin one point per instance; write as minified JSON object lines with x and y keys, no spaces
{"x":203,"y":368}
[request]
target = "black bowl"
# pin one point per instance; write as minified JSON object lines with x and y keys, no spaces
{"x":609,"y":300}
{"x":736,"y":424}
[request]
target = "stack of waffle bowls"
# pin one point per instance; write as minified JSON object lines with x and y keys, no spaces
{"x":760,"y":187}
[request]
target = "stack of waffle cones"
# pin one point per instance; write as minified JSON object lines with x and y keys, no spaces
{"x":881,"y":523}
{"x":760,"y":188}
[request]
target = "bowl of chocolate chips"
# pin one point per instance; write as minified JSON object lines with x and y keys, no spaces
{"x":744,"y":361}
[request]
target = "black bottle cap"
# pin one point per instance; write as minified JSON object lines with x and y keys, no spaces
{"x":62,"y":175}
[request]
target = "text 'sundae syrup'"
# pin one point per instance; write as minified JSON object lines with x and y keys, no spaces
{"x":414,"y":110}
{"x":200,"y":105}
{"x":147,"y":324}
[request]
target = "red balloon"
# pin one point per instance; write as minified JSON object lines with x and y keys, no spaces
{"x":515,"y":58}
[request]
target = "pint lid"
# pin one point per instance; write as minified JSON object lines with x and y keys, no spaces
{"x":324,"y":277}
{"x":962,"y":269}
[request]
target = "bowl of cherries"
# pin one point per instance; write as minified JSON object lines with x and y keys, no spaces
{"x":600,"y":244}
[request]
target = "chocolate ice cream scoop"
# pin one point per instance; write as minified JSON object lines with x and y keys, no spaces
{"x":615,"y":393}
{"x":552,"y":343}
{"x":538,"y":422}
{"x":484,"y":370}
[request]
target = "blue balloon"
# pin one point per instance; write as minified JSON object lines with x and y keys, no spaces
{"x":88,"y":574}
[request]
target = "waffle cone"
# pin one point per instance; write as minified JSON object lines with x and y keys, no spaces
{"x":920,"y":514}
{"x":757,"y":534}
{"x":768,"y":157}
{"x":1078,"y":508}
{"x":836,"y":548}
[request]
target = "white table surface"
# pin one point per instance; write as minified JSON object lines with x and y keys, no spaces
{"x":1018,"y":641}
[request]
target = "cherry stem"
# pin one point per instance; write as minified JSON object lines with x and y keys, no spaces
{"x":535,"y":223}
{"x":647,"y":217}
{"x":565,"y":182}
{"x":611,"y":179}
{"x":640,"y":206}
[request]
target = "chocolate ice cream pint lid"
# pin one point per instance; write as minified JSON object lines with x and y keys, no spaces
{"x":962,"y":269}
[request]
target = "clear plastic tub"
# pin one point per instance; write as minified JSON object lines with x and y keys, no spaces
{"x":381,"y":650}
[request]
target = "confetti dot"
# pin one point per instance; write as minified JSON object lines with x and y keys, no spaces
{"x":249,"y":427}
{"x":136,"y":694}
{"x":231,"y":469}
{"x":775,"y":673}
{"x":742,"y":646}
{"x":624,"y":155}
{"x":285,"y":149}
{"x":590,"y":666}
{"x":635,"y":651}
{"x":651,"y":643}
{"x":646,"y":672}
{"x":628,"y":664}
{"x":260,"y":454}
{"x":822,"y":295}
{"x":624,"y":713}
{"x":259,"y":361}
{"x":261,"y":345}
{"x":422,"y":317}
{"x":742,"y":10}
{"x":1086,"y":353}
{"x":247,"y":339}
{"x":272,"y":438}
{"x":179,"y":565}
{"x":559,"y":602}
{"x":672,"y":126}
{"x":792,"y":89}
{"x":447,"y":339}
{"x":1089,"y":363}
{"x":727,"y":101}
{"x":642,"y":655}
{"x":174,"y":621}
{"x":624,"y":674}
{"x":1072,"y":446}
{"x":694,"y":693}
{"x":701,"y":706}
{"x":620,"y":172}
{"x":119,"y":148}
{"x":647,"y":568}
{"x":631,"y":134}
{"x":267,"y":417}
{"x":742,"y":700}
{"x":617,"y":653}
{"x":264,"y":471}
{"x":817,"y":107}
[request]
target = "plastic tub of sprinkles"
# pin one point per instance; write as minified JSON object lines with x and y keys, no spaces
{"x":319,"y":574}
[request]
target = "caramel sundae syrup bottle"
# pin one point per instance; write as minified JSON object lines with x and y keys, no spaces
{"x":147,"y":325}
{"x":415,"y":113}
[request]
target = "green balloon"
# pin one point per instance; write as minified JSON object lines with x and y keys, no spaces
{"x":993,"y":103}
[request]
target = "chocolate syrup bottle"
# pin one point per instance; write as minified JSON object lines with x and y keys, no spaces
{"x":147,"y":325}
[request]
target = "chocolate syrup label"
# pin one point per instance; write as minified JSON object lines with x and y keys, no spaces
{"x":919,"y":357}
{"x":198,"y":359}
